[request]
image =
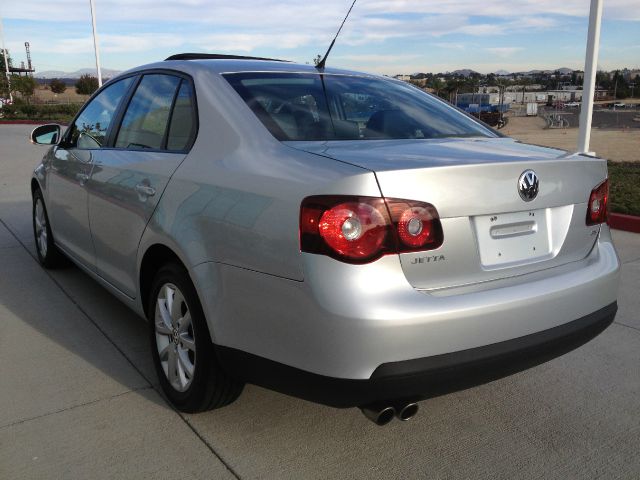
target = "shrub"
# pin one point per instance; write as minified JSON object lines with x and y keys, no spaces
{"x":29,"y":110}
{"x":624,"y":178}
{"x":55,"y":113}
{"x":57,"y":86}
{"x":86,"y":85}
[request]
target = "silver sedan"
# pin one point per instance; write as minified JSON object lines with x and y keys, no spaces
{"x":333,"y":235}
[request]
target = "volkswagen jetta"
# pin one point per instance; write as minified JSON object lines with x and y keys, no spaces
{"x":337,"y":236}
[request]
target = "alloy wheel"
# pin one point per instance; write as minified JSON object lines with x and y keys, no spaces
{"x":175,"y":338}
{"x":40,"y":220}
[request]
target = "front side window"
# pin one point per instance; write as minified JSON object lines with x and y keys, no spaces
{"x":89,"y":131}
{"x":313,"y":106}
{"x":146,"y":119}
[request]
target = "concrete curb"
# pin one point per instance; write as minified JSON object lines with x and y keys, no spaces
{"x":629,"y":223}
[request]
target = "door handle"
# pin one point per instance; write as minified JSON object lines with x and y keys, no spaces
{"x":82,"y":178}
{"x":146,"y":190}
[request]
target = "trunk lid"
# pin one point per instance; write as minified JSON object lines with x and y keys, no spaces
{"x":490,"y":232}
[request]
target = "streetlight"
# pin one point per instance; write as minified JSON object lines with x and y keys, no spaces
{"x":95,"y":42}
{"x":593,"y":41}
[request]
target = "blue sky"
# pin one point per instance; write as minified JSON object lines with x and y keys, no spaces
{"x":383,"y":36}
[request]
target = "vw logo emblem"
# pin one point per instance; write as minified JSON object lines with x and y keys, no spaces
{"x":528,"y":185}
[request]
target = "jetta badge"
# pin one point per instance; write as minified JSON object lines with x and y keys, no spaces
{"x":528,"y":185}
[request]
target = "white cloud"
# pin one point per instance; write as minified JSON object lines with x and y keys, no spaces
{"x":108,"y":43}
{"x":274,"y":25}
{"x":377,"y":58}
{"x":268,"y":13}
{"x":452,"y":45}
{"x":504,"y":52}
{"x":247,"y":42}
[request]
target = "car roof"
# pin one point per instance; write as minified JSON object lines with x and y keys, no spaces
{"x":221,"y":64}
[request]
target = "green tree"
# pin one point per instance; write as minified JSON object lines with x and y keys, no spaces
{"x":452,"y":86}
{"x":524,"y":83}
{"x":4,"y":86}
{"x":620,"y":86}
{"x":2,"y":60}
{"x":603,"y":80}
{"x":25,"y":86}
{"x":86,"y":85}
{"x":574,"y":78}
{"x":317,"y":59}
{"x":57,"y":86}
{"x":471,"y":85}
{"x":436,"y":84}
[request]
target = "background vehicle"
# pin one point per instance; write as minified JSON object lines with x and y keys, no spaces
{"x":337,"y":236}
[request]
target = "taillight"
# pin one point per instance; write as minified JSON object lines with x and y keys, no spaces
{"x":597,"y":210}
{"x":417,"y":225}
{"x":362,"y":229}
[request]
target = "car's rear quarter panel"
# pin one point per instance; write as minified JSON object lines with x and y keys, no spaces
{"x":234,"y":203}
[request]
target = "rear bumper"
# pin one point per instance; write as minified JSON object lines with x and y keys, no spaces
{"x":350,"y":334}
{"x":423,"y":377}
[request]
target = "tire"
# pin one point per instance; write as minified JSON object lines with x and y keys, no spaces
{"x":183,"y":353}
{"x":48,"y":254}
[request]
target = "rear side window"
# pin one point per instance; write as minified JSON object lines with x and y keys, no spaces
{"x":182,"y":127}
{"x":146,"y":119}
{"x":89,"y":130}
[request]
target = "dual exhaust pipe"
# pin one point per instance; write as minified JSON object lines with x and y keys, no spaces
{"x":383,"y":413}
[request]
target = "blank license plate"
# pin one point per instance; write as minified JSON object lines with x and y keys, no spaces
{"x":513,"y":238}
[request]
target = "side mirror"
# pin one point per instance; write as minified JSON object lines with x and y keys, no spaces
{"x":49,"y":134}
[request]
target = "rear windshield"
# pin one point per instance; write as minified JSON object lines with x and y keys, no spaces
{"x":301,"y":106}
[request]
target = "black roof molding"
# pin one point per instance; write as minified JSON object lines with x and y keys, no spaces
{"x":217,"y":56}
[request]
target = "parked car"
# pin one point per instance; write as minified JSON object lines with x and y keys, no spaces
{"x":572,"y":104}
{"x":337,"y":236}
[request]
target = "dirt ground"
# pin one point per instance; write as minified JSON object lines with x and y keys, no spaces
{"x":615,"y":145}
{"x":69,"y":96}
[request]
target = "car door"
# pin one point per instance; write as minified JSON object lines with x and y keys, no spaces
{"x":70,"y":169}
{"x":154,"y":134}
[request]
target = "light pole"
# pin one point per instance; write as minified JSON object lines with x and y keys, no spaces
{"x":588,"y":88}
{"x":95,"y":41}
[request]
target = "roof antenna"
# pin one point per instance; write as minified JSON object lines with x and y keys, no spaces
{"x":321,"y":63}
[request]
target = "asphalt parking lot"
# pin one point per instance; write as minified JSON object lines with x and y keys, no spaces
{"x":78,"y":393}
{"x":603,"y":118}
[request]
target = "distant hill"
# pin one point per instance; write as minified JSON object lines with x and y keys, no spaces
{"x":562,"y":71}
{"x":106,"y":73}
{"x":465,"y":72}
{"x":501,"y":72}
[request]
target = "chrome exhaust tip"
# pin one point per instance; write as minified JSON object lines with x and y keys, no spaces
{"x":379,"y":414}
{"x":406,"y":411}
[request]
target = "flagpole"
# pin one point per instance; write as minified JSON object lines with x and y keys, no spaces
{"x":590,"y":69}
{"x":95,"y":42}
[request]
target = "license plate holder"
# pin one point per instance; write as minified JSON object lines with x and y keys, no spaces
{"x":514,"y":238}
